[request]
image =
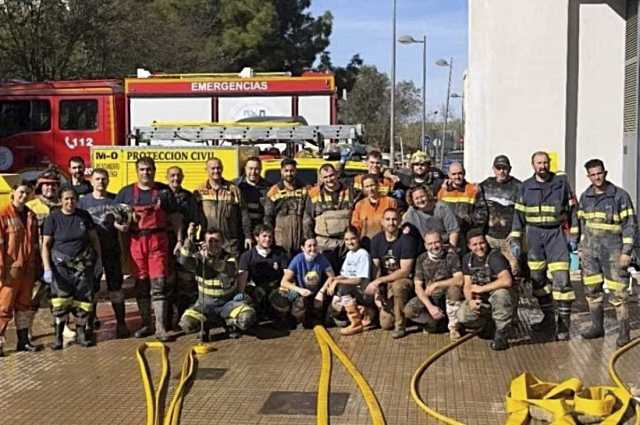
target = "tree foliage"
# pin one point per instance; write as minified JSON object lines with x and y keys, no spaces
{"x":58,"y":39}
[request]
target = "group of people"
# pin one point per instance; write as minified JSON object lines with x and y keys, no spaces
{"x":380,"y":249}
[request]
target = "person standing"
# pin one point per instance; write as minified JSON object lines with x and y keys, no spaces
{"x":253,"y":189}
{"x":367,"y":213}
{"x":545,"y":205}
{"x":154,"y":210}
{"x":18,"y":259}
{"x":284,"y":208}
{"x":109,"y":219}
{"x":78,"y":181}
{"x":423,"y":174}
{"x":224,"y":209}
{"x":70,"y":250}
{"x":608,"y":224}
{"x":386,"y":181}
{"x":427,"y":214}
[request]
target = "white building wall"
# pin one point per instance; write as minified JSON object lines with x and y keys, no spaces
{"x":600,"y":90}
{"x":517,"y":82}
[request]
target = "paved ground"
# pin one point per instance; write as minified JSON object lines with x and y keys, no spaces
{"x":101,"y":385}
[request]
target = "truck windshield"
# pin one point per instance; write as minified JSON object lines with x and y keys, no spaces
{"x":20,"y":116}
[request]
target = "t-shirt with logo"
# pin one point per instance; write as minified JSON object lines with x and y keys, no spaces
{"x":357,"y":264}
{"x":264,"y":270}
{"x":389,"y":253}
{"x":310,"y":274}
{"x":430,"y":270}
{"x":101,"y":210}
{"x":70,"y":232}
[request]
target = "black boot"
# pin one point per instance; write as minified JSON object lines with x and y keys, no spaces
{"x":161,"y":310}
{"x":597,"y":321}
{"x":121,"y":326}
{"x":622,"y":314}
{"x":58,"y":327}
{"x":23,"y":342}
{"x":564,"y":325}
{"x":144,"y":306}
{"x":500,"y":341}
{"x":83,"y":338}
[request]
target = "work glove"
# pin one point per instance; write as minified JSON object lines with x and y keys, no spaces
{"x":516,"y":249}
{"x":345,"y":155}
{"x":398,"y":194}
{"x":573,"y":245}
{"x":47,"y":276}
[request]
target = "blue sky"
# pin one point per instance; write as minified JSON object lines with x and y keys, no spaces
{"x":364,"y":26}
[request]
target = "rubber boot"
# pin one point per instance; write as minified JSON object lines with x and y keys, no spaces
{"x":59,"y":324}
{"x":355,"y":327}
{"x":83,"y":338}
{"x":121,"y":326}
{"x":622,"y":314}
{"x":500,"y":341}
{"x":597,"y":321}
{"x":144,"y":306}
{"x":161,"y":310}
{"x":23,"y":342}
{"x":233,"y":332}
{"x":564,"y":324}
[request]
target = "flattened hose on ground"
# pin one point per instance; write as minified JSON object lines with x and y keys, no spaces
{"x":613,"y":374}
{"x":415,"y":393}
{"x":153,"y":399}
{"x":328,"y":345}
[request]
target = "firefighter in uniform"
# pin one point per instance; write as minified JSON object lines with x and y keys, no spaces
{"x":423,"y":174}
{"x":253,"y":189}
{"x":18,"y":259}
{"x":547,"y":203}
{"x":284,"y":208}
{"x":182,"y":280}
{"x":70,"y":251}
{"x":465,"y":201}
{"x":224,"y":208}
{"x":608,"y":224}
{"x":154,"y":210}
{"x":386,"y":181}
{"x":220,"y":298}
{"x":487,"y":284}
{"x":328,"y":214}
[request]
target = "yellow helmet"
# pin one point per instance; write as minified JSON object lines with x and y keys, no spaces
{"x":419,"y":157}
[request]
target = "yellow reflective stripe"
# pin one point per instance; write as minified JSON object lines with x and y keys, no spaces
{"x":520,"y":207}
{"x":83,"y":305}
{"x":625,"y":213}
{"x":239,"y":309}
{"x":536,"y":209}
{"x":574,"y":230}
{"x":60,"y":302}
{"x":615,"y":228}
{"x":564,"y":296}
{"x":627,"y":241}
{"x":458,"y":200}
{"x":212,"y":283}
{"x":614,"y":285}
{"x":541,"y":219}
{"x":184,"y":252}
{"x":594,"y":279}
{"x":194,"y":314}
{"x":545,"y":290}
{"x":559,"y":266}
{"x":537,"y":265}
{"x":515,"y":234}
{"x":216,"y":292}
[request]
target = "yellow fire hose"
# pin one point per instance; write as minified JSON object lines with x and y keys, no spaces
{"x":154,"y":401}
{"x":328,"y":345}
{"x":608,"y":402}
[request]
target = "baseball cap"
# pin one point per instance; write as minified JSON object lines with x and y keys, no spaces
{"x":502,"y":161}
{"x":419,"y":157}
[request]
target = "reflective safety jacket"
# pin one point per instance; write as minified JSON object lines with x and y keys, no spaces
{"x":544,"y":204}
{"x":282,"y":202}
{"x":385,"y":185}
{"x":42,"y":207}
{"x":432,"y":181}
{"x":466,"y":204}
{"x":328,"y":214}
{"x":607,"y":215}
{"x":500,"y":200}
{"x":217,"y":277}
{"x":224,"y":209}
{"x":254,"y":198}
{"x":18,"y":243}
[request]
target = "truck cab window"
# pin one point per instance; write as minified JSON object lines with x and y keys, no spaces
{"x":21,"y":116}
{"x":79,"y":114}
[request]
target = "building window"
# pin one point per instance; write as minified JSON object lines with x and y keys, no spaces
{"x":79,"y":114}
{"x":21,"y":116}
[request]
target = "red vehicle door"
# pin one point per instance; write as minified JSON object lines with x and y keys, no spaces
{"x":26,"y":133}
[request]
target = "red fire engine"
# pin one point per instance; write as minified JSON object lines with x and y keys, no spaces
{"x":49,"y":122}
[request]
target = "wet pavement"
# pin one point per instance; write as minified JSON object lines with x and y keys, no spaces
{"x":101,"y":385}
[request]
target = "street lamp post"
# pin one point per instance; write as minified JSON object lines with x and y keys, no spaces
{"x":407,"y":39}
{"x":392,"y":113}
{"x":443,"y":62}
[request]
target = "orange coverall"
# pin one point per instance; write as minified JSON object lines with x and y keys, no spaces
{"x":18,"y":253}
